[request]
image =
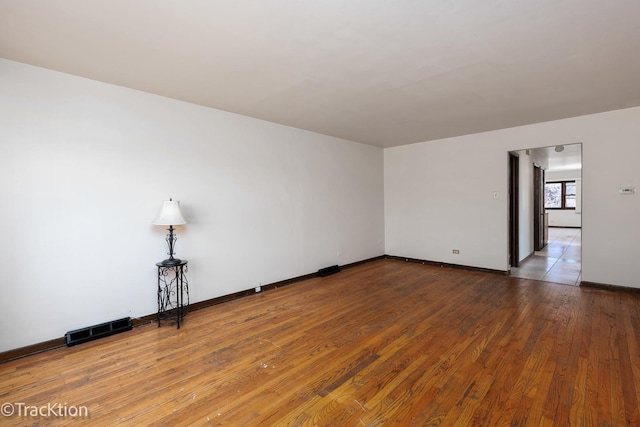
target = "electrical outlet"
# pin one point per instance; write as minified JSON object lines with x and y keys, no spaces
{"x":258,"y":287}
{"x":456,"y":251}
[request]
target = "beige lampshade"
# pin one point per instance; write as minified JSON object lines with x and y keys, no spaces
{"x":170,"y":214}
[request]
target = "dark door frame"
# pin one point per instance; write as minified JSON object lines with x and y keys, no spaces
{"x":539,"y":226}
{"x":514,"y":210}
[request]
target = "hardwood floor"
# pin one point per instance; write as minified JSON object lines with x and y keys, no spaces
{"x":386,"y":342}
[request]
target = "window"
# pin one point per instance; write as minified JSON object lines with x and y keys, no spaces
{"x":560,"y":195}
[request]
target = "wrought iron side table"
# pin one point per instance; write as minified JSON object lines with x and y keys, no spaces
{"x":173,"y":287}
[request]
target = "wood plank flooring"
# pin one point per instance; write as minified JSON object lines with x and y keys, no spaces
{"x":383,"y":343}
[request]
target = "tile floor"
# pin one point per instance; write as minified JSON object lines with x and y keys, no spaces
{"x":559,"y":262}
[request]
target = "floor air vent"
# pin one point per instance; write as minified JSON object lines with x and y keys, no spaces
{"x":91,"y":333}
{"x":328,"y":270}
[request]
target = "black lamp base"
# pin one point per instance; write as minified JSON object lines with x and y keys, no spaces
{"x":170,"y":262}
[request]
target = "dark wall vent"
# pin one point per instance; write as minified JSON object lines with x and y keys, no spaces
{"x":328,"y":270}
{"x":91,"y":333}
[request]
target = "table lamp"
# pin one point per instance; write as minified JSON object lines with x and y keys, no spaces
{"x":170,"y":215}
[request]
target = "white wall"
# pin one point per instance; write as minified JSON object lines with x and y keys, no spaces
{"x":86,"y":166}
{"x":564,"y":218}
{"x":438,"y":195}
{"x":527,"y":159}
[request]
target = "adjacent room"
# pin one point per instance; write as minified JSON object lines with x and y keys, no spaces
{"x":548,"y":230}
{"x":320,"y":213}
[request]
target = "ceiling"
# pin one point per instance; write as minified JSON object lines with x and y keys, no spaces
{"x":380,"y":72}
{"x":561,"y":157}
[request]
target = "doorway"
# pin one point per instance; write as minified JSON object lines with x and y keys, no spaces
{"x":545,"y":243}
